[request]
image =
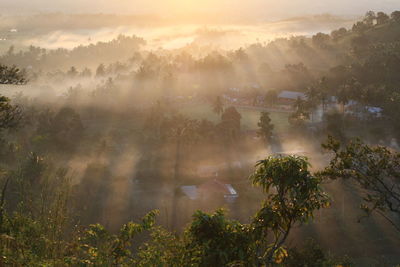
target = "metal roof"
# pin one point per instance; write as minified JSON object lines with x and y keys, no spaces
{"x":292,"y":95}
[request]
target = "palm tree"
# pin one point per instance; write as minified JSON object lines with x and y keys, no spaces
{"x":323,"y":92}
{"x":183,"y":131}
{"x":343,"y":96}
{"x":313,"y":96}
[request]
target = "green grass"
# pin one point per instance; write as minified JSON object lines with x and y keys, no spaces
{"x":249,"y":121}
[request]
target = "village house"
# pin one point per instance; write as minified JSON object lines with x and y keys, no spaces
{"x":211,"y":190}
{"x":290,"y":97}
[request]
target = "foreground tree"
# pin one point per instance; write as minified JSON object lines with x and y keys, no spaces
{"x":293,"y":195}
{"x":213,"y":240}
{"x":376,"y":170}
{"x":39,"y":237}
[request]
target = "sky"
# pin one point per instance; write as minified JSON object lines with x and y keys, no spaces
{"x":246,"y":8}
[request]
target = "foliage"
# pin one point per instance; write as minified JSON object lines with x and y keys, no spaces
{"x":36,"y":234}
{"x":96,"y":246}
{"x":62,"y":130}
{"x":374,"y":169}
{"x":293,"y":196}
{"x":230,"y":124}
{"x":265,"y":128}
{"x":311,"y":255}
{"x":10,"y":115}
{"x":301,"y":113}
{"x":11,"y":75}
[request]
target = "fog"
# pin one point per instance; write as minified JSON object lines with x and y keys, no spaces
{"x":127,"y":105}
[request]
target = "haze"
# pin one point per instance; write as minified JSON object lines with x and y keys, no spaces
{"x":285,"y":114}
{"x":249,"y":9}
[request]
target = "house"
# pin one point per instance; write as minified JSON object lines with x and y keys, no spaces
{"x":211,"y":190}
{"x":375,"y":111}
{"x":356,"y":109}
{"x":289,"y":97}
{"x":190,"y":191}
{"x":217,"y":189}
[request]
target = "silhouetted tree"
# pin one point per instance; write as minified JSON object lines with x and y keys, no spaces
{"x":218,"y":106}
{"x":375,"y":170}
{"x":230,"y":124}
{"x":382,"y":18}
{"x":265,"y":128}
{"x":101,"y":71}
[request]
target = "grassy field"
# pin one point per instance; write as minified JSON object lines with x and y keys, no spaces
{"x":250,"y":117}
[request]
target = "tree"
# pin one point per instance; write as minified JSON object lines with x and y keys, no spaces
{"x":335,"y":125}
{"x":395,"y":16}
{"x":266,"y":128}
{"x":382,"y":18}
{"x":183,"y":131}
{"x":72,"y":72}
{"x":370,"y":18}
{"x":374,"y":169}
{"x":11,"y":75}
{"x":271,"y":97}
{"x":343,"y":96}
{"x":10,"y":115}
{"x":62,"y":130}
{"x":321,"y":39}
{"x":313,"y":98}
{"x":360,"y":27}
{"x":293,"y":194}
{"x":230,"y":123}
{"x":101,"y":71}
{"x":301,"y":113}
{"x":218,"y":106}
{"x":323,"y":88}
{"x":337,"y":34}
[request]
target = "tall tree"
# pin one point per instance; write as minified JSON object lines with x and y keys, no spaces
{"x":313,"y":97}
{"x":101,"y":71}
{"x":343,"y":96}
{"x":218,"y":106}
{"x":183,"y":131}
{"x":301,"y":113}
{"x":271,"y":97}
{"x":230,"y":123}
{"x":370,"y":18}
{"x":265,"y":128}
{"x":382,"y":18}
